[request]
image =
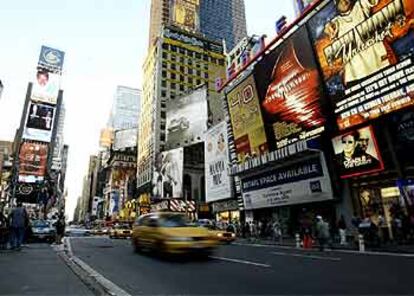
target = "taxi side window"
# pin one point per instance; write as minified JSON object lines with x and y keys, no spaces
{"x":152,"y":222}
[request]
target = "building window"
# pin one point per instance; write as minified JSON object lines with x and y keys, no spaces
{"x":173,"y":76}
{"x":164,"y":55}
{"x":181,"y":78}
{"x":190,"y":80}
{"x":163,"y":115}
{"x":181,"y":50}
{"x":173,"y":67}
{"x":182,"y":69}
{"x":164,"y":74}
{"x":163,"y":94}
{"x":198,"y":81}
{"x":164,"y":83}
{"x":173,"y":85}
{"x":190,"y":71}
{"x":165,"y":46}
{"x":181,"y":87}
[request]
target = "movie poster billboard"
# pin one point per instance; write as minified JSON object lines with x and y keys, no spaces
{"x":32,"y":162}
{"x":51,"y":59}
{"x":39,"y":122}
{"x":218,"y":184}
{"x":168,"y":174}
{"x":46,"y":87}
{"x":366,"y":50}
{"x":246,"y":120}
{"x":356,"y":153}
{"x":304,"y":182}
{"x":185,"y":14}
{"x":126,"y":138}
{"x":290,"y":93}
{"x":187,"y":119}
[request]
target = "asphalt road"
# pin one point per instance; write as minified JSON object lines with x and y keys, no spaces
{"x":247,"y":270}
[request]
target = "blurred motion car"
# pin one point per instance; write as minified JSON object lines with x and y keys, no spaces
{"x":222,"y":236}
{"x":100,"y":231}
{"x":120,"y":231}
{"x":76,"y":231}
{"x":171,"y":233}
{"x":42,"y":230}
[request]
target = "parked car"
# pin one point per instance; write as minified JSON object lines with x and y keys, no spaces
{"x":171,"y":233}
{"x":100,"y":231}
{"x":76,"y":231}
{"x":120,"y":231}
{"x":222,"y":236}
{"x":42,"y":230}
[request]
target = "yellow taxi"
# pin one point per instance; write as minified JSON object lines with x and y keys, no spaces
{"x":216,"y":233}
{"x":170,"y":233}
{"x":120,"y":231}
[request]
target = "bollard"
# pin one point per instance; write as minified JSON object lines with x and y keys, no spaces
{"x":361,"y":243}
{"x":297,"y":237}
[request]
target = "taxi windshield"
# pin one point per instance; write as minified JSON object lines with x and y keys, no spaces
{"x":174,"y":221}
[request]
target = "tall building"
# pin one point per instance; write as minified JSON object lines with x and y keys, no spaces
{"x":215,"y":19}
{"x":177,"y":63}
{"x":223,"y":19}
{"x":125,"y":108}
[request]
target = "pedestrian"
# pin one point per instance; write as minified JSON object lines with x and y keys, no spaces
{"x":60,"y":228}
{"x":277,"y":232}
{"x":19,"y":220}
{"x":305,"y":222}
{"x":322,"y":232}
{"x":342,"y":230}
{"x":4,"y":231}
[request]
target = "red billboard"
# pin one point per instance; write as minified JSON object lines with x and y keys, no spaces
{"x":33,"y":161}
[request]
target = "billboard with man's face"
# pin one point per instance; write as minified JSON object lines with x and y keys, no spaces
{"x":46,"y":87}
{"x":246,"y":120}
{"x":357,"y":153}
{"x":39,"y":122}
{"x":186,"y":14}
{"x":366,"y":52}
{"x":290,"y":94}
{"x":32,"y":162}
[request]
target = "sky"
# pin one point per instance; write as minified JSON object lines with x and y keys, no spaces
{"x":105,"y":42}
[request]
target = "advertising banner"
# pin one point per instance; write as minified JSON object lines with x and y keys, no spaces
{"x":218,"y":185}
{"x":187,"y":119}
{"x":126,"y":138}
{"x":304,"y":182}
{"x":39,"y":122}
{"x":46,"y":87}
{"x":168,"y":174}
{"x":246,"y":119}
{"x":290,"y":94}
{"x":185,"y":14}
{"x":33,"y":161}
{"x":357,"y":153}
{"x":51,"y":59}
{"x":366,"y":52}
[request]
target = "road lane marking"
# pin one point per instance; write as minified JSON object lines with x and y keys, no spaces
{"x":110,"y":287}
{"x":307,"y":256}
{"x":241,"y":261}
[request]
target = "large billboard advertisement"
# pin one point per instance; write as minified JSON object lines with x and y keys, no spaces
{"x":187,"y":119}
{"x":39,"y":122}
{"x":246,"y":119}
{"x":33,"y":161}
{"x":357,"y":153}
{"x":51,"y":59}
{"x":218,"y":185}
{"x":126,"y":138}
{"x":168,"y":174}
{"x":304,"y":182}
{"x":46,"y":87}
{"x":290,"y":93}
{"x":185,"y":14}
{"x":366,"y":50}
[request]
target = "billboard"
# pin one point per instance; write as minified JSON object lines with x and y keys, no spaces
{"x":168,"y":174}
{"x":290,"y":94}
{"x":33,"y":161}
{"x":51,"y":59}
{"x":46,"y":87}
{"x":246,"y":119}
{"x":366,"y":50}
{"x":218,"y":185}
{"x":357,"y":153}
{"x":187,"y":119}
{"x":186,"y":14}
{"x":126,"y":138}
{"x":39,"y":122}
{"x":304,"y":182}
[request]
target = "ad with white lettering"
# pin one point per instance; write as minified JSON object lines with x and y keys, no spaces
{"x":357,"y":153}
{"x":366,"y":51}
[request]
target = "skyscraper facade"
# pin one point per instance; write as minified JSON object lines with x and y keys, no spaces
{"x":223,"y":19}
{"x":125,"y":108}
{"x":216,"y":19}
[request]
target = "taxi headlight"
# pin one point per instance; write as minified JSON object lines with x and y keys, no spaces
{"x":219,"y":234}
{"x":233,"y":235}
{"x":180,"y":239}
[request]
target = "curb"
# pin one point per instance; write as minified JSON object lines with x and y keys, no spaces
{"x":97,"y":283}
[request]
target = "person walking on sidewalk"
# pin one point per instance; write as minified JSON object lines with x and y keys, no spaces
{"x":4,"y":231}
{"x":322,"y":232}
{"x":342,"y":230}
{"x":19,"y":220}
{"x":60,"y":228}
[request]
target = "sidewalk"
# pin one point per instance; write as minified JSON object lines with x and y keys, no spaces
{"x":290,"y":242}
{"x":37,"y":270}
